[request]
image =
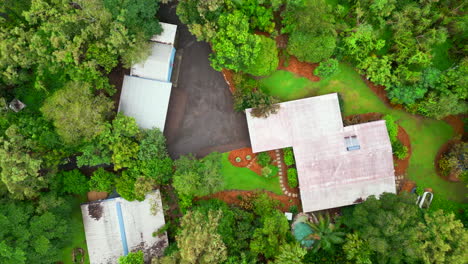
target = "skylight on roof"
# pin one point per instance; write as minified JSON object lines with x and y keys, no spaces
{"x":352,"y":143}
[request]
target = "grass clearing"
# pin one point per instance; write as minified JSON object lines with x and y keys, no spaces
{"x":77,"y":233}
{"x":244,"y":179}
{"x":427,"y":135}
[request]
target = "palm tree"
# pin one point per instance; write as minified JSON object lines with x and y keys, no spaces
{"x":326,"y":234}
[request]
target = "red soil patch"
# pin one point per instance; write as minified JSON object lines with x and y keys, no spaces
{"x":242,"y":153}
{"x":402,"y":165}
{"x":408,"y":186}
{"x":227,"y":74}
{"x":232,"y":197}
{"x":442,"y":151}
{"x":379,"y":90}
{"x":302,"y":69}
{"x":456,"y":122}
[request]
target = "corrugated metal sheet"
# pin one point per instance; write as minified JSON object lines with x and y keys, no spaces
{"x":157,"y":66}
{"x":168,"y":34}
{"x":146,"y":100}
{"x":103,"y":232}
{"x":329,"y":175}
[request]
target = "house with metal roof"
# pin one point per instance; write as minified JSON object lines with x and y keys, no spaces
{"x":336,"y":165}
{"x":115,"y":227}
{"x":146,"y":92}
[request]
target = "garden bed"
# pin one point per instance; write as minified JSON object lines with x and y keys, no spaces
{"x":234,"y":197}
{"x":402,"y":165}
{"x":244,"y":163}
{"x":442,"y":151}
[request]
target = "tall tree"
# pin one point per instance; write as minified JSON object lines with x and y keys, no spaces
{"x":310,"y":24}
{"x":273,"y":233}
{"x":326,"y":234}
{"x":387,"y":224}
{"x":444,"y":239}
{"x":77,"y":114}
{"x":199,"y":241}
{"x":19,"y":168}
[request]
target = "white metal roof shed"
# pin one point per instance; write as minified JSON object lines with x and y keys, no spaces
{"x":336,"y":165}
{"x":158,"y":66}
{"x":146,"y":100}
{"x":115,"y":227}
{"x":168,"y":34}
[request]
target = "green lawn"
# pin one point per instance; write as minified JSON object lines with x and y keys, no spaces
{"x":244,"y":179}
{"x":427,"y":135}
{"x":77,"y":234}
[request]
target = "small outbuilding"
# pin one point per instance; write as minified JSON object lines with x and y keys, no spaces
{"x":146,"y":100}
{"x":146,"y":92}
{"x":115,"y":227}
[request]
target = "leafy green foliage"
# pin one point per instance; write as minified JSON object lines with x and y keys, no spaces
{"x":19,"y":169}
{"x":312,"y":36}
{"x":235,"y":227}
{"x":357,"y":250}
{"x":388,"y":225}
{"x":455,"y":162}
{"x":235,"y":48}
{"x":327,"y":68}
{"x":444,"y":239}
{"x":198,"y":177}
{"x":154,"y":161}
{"x":60,"y":41}
{"x":263,"y":159}
{"x":399,"y":150}
{"x":30,"y":236}
{"x":292,"y":178}
{"x":199,"y":241}
{"x":261,"y":103}
{"x":73,"y":182}
{"x":77,"y":115}
{"x":102,"y":181}
{"x":266,"y":60}
{"x":273,"y":233}
{"x":290,"y":254}
{"x":326,"y":234}
{"x":132,"y":258}
{"x":288,"y":156}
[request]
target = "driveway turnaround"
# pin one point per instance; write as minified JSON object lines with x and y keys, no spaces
{"x":201,"y":118}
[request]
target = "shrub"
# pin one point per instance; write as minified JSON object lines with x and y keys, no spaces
{"x":292,"y":178}
{"x":263,"y":159}
{"x":74,"y":182}
{"x":101,"y":181}
{"x":293,"y":209}
{"x":266,"y":60}
{"x":289,"y":156}
{"x":266,"y":171}
{"x":327,"y":68}
{"x":392,"y":127}
{"x":400,"y":151}
{"x":456,"y":160}
{"x":274,"y":170}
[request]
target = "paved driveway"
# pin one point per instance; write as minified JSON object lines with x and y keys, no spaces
{"x":201,"y":118}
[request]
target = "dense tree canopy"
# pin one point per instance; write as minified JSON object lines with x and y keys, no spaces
{"x":30,"y":236}
{"x":77,"y":114}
